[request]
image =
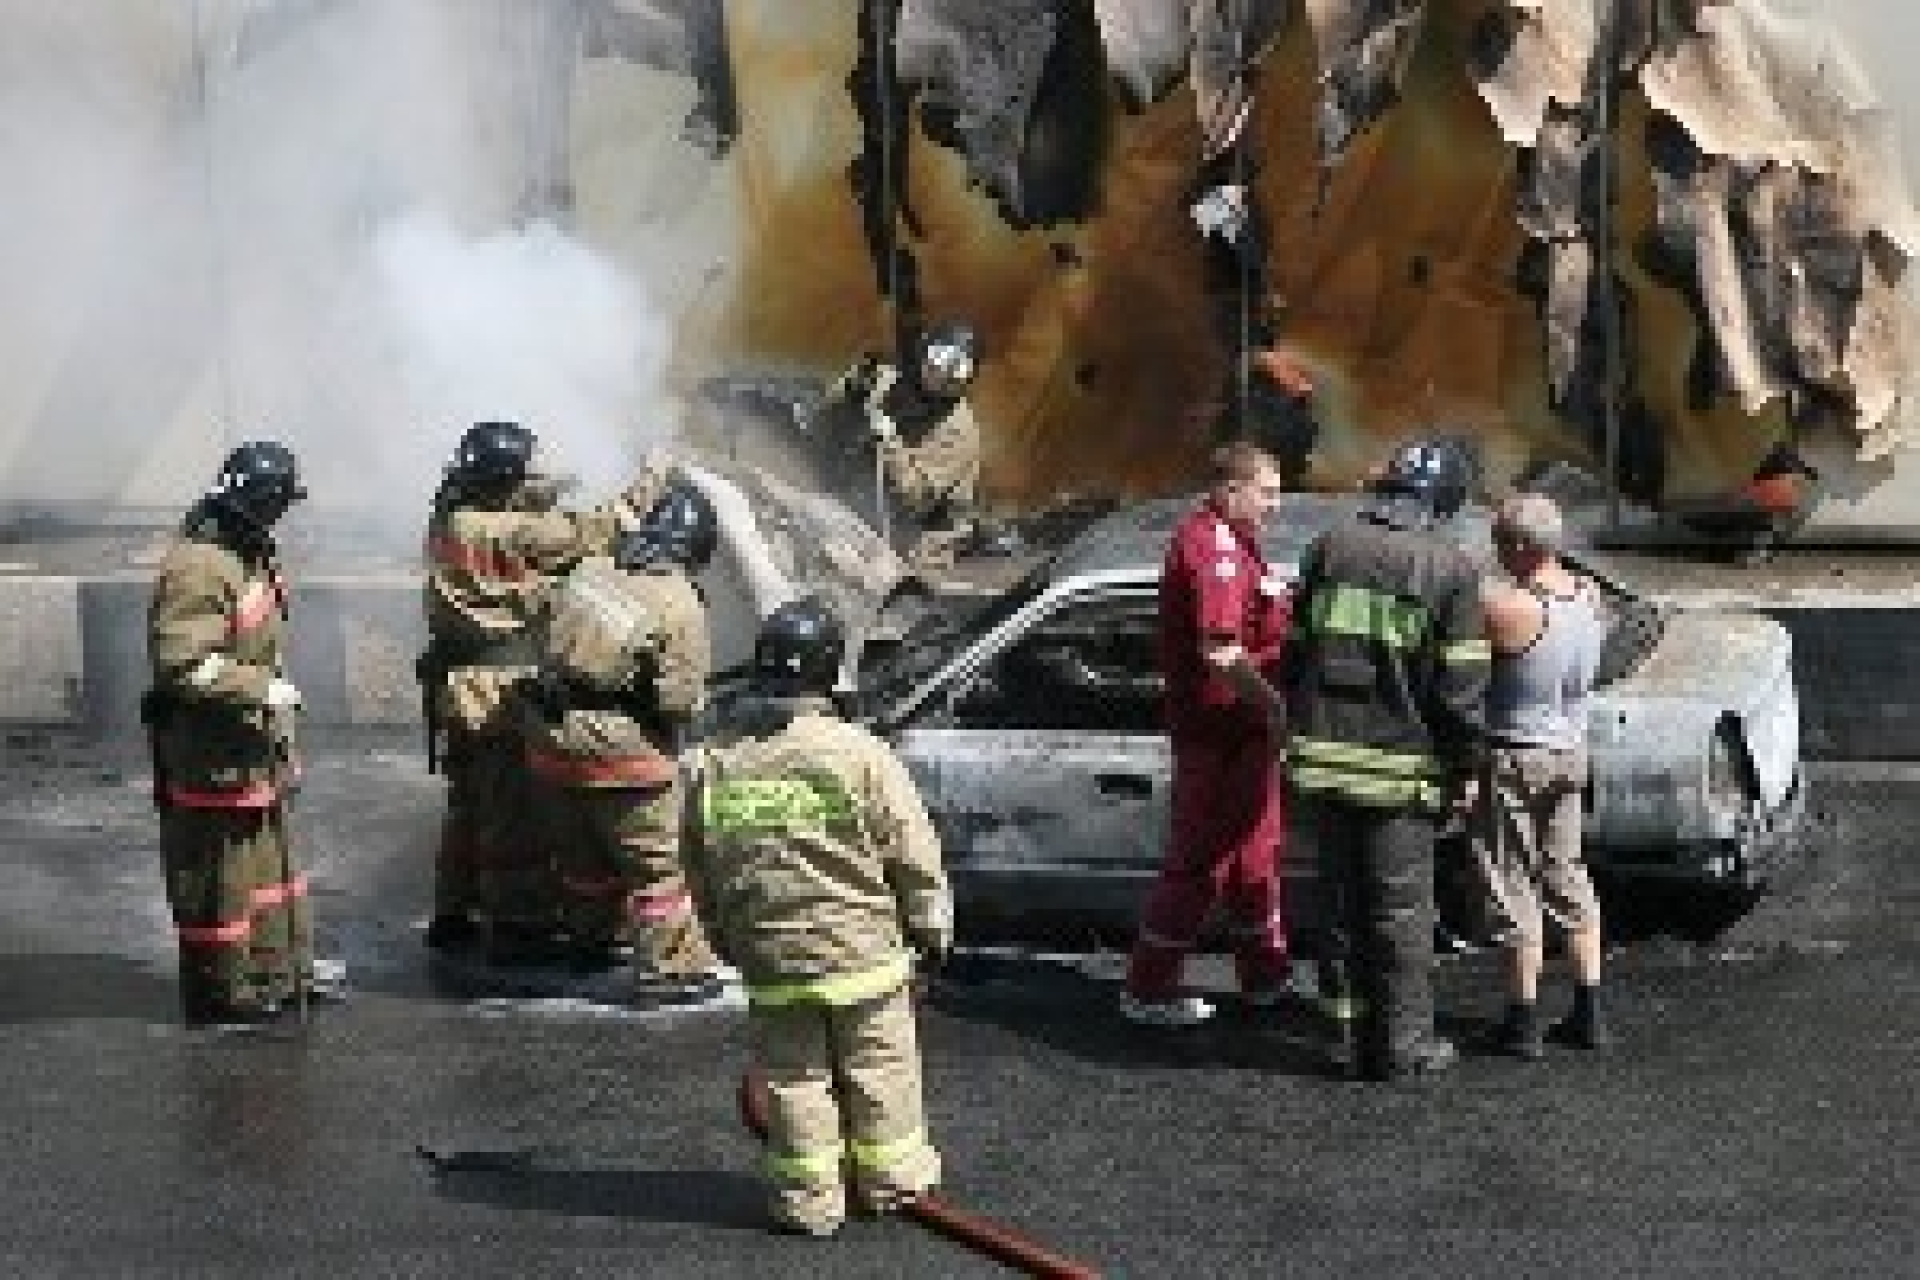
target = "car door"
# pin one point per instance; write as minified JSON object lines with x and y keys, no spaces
{"x":1045,"y":754}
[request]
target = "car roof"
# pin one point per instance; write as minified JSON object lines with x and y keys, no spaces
{"x":1136,"y":538}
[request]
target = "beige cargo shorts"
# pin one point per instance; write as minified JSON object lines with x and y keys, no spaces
{"x":1526,"y":844}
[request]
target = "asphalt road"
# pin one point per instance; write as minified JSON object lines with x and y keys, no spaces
{"x":1757,"y":1121}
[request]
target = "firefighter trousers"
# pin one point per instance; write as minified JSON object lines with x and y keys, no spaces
{"x":1376,"y":871}
{"x":1227,"y":823}
{"x":494,"y":861}
{"x":620,"y":868}
{"x":239,"y":908}
{"x":844,"y":1104}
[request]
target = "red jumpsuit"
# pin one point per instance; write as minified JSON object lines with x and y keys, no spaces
{"x":1216,"y":588}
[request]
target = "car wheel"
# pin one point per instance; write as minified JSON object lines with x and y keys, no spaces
{"x":1766,"y":849}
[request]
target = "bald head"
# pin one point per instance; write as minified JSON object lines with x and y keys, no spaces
{"x":1531,"y":521}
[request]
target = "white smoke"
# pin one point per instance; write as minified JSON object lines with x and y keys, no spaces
{"x":307,"y":220}
{"x":529,"y":326}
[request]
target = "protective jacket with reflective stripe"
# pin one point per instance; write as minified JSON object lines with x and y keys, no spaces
{"x":629,"y":741}
{"x":812,"y":857}
{"x":215,"y":630}
{"x":1387,"y":665}
{"x":942,"y":465}
{"x":487,"y":560}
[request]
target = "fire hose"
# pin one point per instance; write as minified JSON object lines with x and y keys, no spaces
{"x":980,"y":1234}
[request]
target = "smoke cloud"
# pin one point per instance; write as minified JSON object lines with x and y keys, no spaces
{"x":314,"y":220}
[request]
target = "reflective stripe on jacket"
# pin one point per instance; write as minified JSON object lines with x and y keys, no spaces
{"x":1387,"y":666}
{"x":607,"y":745}
{"x":216,"y":626}
{"x":813,"y":859}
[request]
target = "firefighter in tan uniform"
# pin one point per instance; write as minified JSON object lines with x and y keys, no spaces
{"x":493,"y":540}
{"x":928,"y":441}
{"x":624,"y":658}
{"x":219,"y":712}
{"x":816,"y":866}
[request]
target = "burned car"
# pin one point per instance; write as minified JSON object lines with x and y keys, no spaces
{"x":1032,"y":721}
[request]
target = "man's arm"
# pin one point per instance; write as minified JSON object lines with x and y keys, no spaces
{"x":191,"y":620}
{"x":1221,"y":584}
{"x":1463,"y":661}
{"x":913,"y":866}
{"x":1513,"y":616}
{"x":693,"y":851}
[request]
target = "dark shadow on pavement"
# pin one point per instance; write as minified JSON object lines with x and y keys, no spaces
{"x":48,"y":987}
{"x":1074,"y":1013}
{"x":543,"y":1183}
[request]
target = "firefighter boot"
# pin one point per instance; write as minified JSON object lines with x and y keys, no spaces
{"x":1519,"y":1034}
{"x":1427,"y":1056}
{"x":1583,"y":1028}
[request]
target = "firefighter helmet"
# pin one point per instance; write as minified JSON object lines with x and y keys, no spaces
{"x":258,"y":482}
{"x":1437,"y":474}
{"x":800,"y":648}
{"x":497,"y":455}
{"x":680,"y":527}
{"x":949,"y":357}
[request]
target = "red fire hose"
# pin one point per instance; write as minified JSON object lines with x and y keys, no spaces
{"x":982,"y":1235}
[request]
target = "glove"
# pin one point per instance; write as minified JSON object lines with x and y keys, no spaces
{"x":282,"y":695}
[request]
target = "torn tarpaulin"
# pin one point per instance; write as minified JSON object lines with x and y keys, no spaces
{"x":1780,"y":210}
{"x":978,"y":66}
{"x":1796,"y":210}
{"x":1362,"y":48}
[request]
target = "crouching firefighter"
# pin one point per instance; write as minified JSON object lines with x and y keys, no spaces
{"x":1386,"y":670}
{"x":219,"y":715}
{"x":817,"y":867}
{"x":624,"y":657}
{"x":494,"y":538}
{"x":928,"y":442}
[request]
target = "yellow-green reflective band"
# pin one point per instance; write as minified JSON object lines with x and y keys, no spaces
{"x":822,"y":1165}
{"x":1366,"y":789}
{"x":1468,"y":651}
{"x":881,"y":1156}
{"x":1311,"y":751}
{"x":1361,"y":611}
{"x":1342,"y":1008}
{"x":775,"y":804}
{"x":848,"y":988}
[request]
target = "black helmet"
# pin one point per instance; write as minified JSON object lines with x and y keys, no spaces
{"x":1437,"y":474}
{"x":680,"y":527}
{"x":497,"y":455}
{"x":800,"y":648}
{"x":948,"y":358}
{"x":258,"y":482}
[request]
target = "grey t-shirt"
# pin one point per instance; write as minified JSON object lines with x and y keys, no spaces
{"x":1538,"y":697}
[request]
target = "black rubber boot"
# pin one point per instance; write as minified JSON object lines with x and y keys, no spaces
{"x":227,"y":1017}
{"x":1519,"y":1035}
{"x":1583,"y":1028}
{"x":1429,"y":1056}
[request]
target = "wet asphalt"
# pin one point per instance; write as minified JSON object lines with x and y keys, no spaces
{"x":1758,"y":1120}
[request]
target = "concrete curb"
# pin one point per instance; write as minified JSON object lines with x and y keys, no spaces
{"x":73,"y":651}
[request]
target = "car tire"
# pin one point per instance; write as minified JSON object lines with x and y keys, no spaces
{"x":1767,"y":850}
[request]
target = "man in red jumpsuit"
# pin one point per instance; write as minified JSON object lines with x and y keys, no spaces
{"x":1218,"y":599}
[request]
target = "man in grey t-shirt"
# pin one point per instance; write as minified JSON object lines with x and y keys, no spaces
{"x":1546,"y":628}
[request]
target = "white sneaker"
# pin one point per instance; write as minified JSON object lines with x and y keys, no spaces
{"x":1181,"y":1011}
